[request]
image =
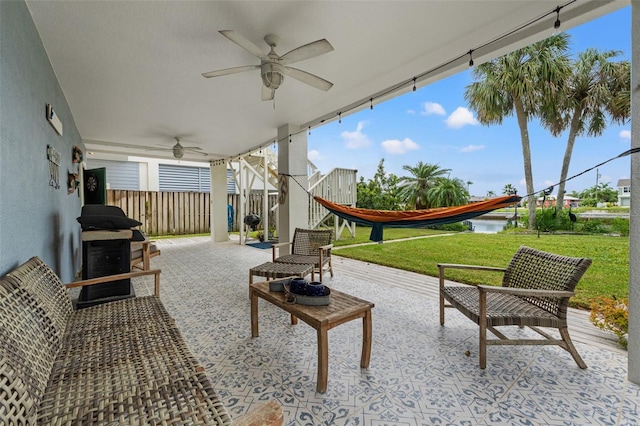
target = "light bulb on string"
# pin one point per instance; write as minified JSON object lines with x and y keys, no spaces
{"x":471,"y":58}
{"x":557,"y":23}
{"x":414,"y":84}
{"x":371,"y":103}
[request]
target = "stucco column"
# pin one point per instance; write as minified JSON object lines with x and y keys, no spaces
{"x":292,"y":160}
{"x":634,"y":229}
{"x":218,"y":213}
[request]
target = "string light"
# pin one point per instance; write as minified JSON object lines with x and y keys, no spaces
{"x":413,"y":80}
{"x":556,"y":25}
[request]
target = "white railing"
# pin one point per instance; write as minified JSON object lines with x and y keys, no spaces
{"x":338,"y":186}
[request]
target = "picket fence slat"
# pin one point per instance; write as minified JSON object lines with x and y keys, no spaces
{"x":180,"y":213}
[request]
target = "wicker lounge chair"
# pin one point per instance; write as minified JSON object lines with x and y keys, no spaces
{"x":535,"y":292}
{"x":309,"y":246}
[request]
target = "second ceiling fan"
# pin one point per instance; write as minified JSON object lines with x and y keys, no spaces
{"x":274,"y":67}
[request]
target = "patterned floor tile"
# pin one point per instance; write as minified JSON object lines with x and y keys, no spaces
{"x":420,"y":373}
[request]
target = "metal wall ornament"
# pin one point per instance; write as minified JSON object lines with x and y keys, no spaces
{"x":54,"y":166}
{"x":283,"y":189}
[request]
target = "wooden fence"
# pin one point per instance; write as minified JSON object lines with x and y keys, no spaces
{"x":179,"y":213}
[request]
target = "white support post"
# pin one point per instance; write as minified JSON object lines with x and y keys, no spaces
{"x":634,"y":225}
{"x":241,"y":199}
{"x":293,"y":212}
{"x":265,"y":196}
{"x":218,"y":201}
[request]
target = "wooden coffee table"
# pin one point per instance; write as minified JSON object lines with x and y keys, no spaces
{"x":343,"y":308}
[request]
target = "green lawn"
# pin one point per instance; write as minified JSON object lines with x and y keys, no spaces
{"x":363,"y":232}
{"x":607,"y":276}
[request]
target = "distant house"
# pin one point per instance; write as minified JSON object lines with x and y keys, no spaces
{"x":624,"y":192}
{"x":550,"y":201}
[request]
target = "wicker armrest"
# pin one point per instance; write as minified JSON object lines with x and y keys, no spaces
{"x":525,"y":291}
{"x":269,"y":414}
{"x":276,"y":246}
{"x":110,"y":278}
{"x":326,"y":247}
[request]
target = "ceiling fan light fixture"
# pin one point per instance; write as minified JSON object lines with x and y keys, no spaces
{"x":272,"y":75}
{"x":177,"y":151}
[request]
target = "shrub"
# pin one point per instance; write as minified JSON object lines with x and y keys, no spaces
{"x":613,"y":315}
{"x":620,"y":226}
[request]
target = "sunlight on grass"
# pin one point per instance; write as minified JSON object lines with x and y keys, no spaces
{"x":608,"y":275}
{"x":363,"y":232}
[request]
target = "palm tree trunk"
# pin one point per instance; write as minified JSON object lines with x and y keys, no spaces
{"x":526,"y":155}
{"x":573,"y":130}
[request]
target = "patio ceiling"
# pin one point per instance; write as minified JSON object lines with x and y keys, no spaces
{"x":131,"y":71}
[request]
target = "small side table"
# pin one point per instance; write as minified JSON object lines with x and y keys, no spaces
{"x":273,"y":270}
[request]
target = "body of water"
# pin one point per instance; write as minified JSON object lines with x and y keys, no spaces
{"x":487,"y":226}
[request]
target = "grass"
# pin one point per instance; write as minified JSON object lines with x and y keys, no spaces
{"x":363,"y":232}
{"x":608,"y":275}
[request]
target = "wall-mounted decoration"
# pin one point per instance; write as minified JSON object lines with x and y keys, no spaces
{"x":53,"y":119}
{"x":54,"y":166}
{"x":76,"y":157}
{"x":73,"y":181}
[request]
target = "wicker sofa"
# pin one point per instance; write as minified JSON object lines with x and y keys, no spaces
{"x":123,"y":362}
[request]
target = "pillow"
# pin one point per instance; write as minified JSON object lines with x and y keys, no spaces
{"x":106,"y":222}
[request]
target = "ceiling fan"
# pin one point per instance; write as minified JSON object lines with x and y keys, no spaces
{"x":178,"y":149}
{"x":274,"y":67}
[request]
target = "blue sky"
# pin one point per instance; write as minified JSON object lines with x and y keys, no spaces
{"x":434,"y":125}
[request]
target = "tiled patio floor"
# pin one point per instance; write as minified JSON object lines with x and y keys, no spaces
{"x":419,"y":373}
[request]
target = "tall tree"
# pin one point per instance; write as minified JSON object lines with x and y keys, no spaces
{"x":518,"y":83}
{"x":414,"y":189}
{"x":448,"y":192}
{"x":379,"y":193}
{"x":595,"y":89}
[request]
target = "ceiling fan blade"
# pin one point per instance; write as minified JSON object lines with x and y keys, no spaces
{"x":244,"y":43}
{"x":227,"y":71}
{"x":192,"y":148}
{"x":195,"y":151}
{"x":267,"y":94}
{"x":310,"y":79}
{"x":307,"y":51}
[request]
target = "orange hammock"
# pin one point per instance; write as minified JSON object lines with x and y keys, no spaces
{"x":377,"y":219}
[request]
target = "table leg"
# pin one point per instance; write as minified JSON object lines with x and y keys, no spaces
{"x":254,"y":312}
{"x":366,"y":339}
{"x":294,"y":319}
{"x":323,"y":359}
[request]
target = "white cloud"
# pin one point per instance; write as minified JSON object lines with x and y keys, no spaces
{"x":314,"y":155}
{"x":460,"y":118}
{"x":625,"y":134}
{"x":411,"y":112}
{"x":471,"y":148}
{"x":356,"y":139}
{"x":430,"y":108}
{"x":395,"y":146}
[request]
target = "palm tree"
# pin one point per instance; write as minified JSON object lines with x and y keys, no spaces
{"x":508,"y":189}
{"x":519,"y":83}
{"x":448,"y":192}
{"x":596,"y":88}
{"x":491,"y":194}
{"x":413,"y":189}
